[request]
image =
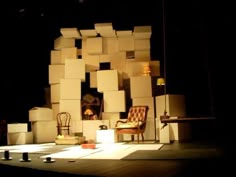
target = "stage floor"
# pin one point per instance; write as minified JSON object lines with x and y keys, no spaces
{"x":175,"y":159}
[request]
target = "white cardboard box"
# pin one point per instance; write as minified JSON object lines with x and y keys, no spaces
{"x":19,"y":138}
{"x":106,"y":136}
{"x":17,"y":127}
{"x":40,"y":114}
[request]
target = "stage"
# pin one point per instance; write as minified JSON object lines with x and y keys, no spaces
{"x":119,"y":159}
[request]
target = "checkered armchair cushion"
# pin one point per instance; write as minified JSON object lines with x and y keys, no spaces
{"x":137,"y":113}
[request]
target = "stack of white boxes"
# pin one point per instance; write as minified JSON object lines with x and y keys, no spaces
{"x":127,"y":51}
{"x":66,"y":72}
{"x":43,"y":126}
{"x":17,"y":133}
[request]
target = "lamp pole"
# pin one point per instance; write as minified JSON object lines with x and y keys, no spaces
{"x":164,"y":50}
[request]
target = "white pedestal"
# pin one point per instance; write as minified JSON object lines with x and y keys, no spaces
{"x":106,"y":136}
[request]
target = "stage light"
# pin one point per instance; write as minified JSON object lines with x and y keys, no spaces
{"x":6,"y":155}
{"x":25,"y":157}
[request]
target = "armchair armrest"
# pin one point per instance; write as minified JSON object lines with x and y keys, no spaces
{"x":120,"y":121}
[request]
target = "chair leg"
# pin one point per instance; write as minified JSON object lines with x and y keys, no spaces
{"x":142,"y":137}
{"x":138,"y":137}
{"x":132,"y":137}
{"x":117,"y":137}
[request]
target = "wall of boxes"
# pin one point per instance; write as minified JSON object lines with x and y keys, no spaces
{"x":131,"y":67}
{"x":127,"y":51}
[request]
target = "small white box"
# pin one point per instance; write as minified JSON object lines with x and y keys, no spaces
{"x":19,"y":138}
{"x":17,"y":127}
{"x":106,"y":136}
{"x":40,"y":114}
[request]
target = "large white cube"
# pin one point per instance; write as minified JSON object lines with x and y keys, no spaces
{"x":70,"y":89}
{"x":103,"y":27}
{"x":91,"y":62}
{"x":140,"y":86}
{"x":61,"y":42}
{"x":40,"y":114}
{"x":17,"y":127}
{"x":142,"y":44}
{"x":72,"y":106}
{"x":69,"y":53}
{"x":107,"y":80}
{"x":75,"y":69}
{"x":19,"y":138}
{"x":126,"y":43}
{"x":142,"y":32}
{"x":44,"y":131}
{"x":94,"y":45}
{"x":55,"y":57}
{"x":110,"y":45}
{"x":114,"y":101}
{"x":56,"y":72}
{"x":55,"y":93}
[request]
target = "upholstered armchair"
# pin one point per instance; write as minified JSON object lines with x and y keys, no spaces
{"x":135,"y":124}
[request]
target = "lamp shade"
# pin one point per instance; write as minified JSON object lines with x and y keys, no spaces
{"x":88,"y":111}
{"x":160,"y":81}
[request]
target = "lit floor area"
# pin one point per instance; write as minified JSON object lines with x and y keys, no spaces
{"x":194,"y":158}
